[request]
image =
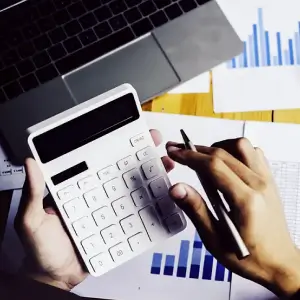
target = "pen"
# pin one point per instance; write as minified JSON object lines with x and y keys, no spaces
{"x":220,"y":210}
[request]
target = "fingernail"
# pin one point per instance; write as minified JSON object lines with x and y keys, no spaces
{"x":173,"y":149}
{"x":178,"y":192}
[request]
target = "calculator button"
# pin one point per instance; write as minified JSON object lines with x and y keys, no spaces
{"x":140,"y":197}
{"x":131,"y":225}
{"x":75,"y":208}
{"x":151,"y":222}
{"x":159,"y":187}
{"x":111,"y":234}
{"x":107,"y":172}
{"x":133,"y":179}
{"x":101,"y":263}
{"x":87,"y":183}
{"x":92,"y":245}
{"x":151,"y":169}
{"x":120,"y":252}
{"x":127,"y":162}
{"x":83,"y":227}
{"x":114,"y":188}
{"x":138,"y":140}
{"x":103,"y":216}
{"x":144,"y":153}
{"x":138,"y":242}
{"x":123,"y":207}
{"x":174,"y":223}
{"x":95,"y":197}
{"x":67,"y":193}
{"x":166,"y":206}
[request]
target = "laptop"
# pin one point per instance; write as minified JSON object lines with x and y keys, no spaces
{"x":55,"y":54}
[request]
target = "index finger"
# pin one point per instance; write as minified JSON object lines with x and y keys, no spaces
{"x":251,"y":178}
{"x":216,"y":171}
{"x":243,"y":150}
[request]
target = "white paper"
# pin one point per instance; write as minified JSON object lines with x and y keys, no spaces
{"x":11,"y":177}
{"x":133,"y":280}
{"x":247,"y":87}
{"x":199,"y":84}
{"x":283,"y":153}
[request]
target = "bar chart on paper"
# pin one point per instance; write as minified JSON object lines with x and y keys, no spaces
{"x":258,"y":51}
{"x":193,"y":261}
{"x":266,"y":74}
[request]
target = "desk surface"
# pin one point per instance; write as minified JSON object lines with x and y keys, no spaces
{"x":189,"y":104}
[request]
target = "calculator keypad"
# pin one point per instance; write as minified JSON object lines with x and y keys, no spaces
{"x":83,"y":227}
{"x":103,"y":216}
{"x":165,"y":206}
{"x":67,"y":193}
{"x":174,"y":223}
{"x":101,"y":263}
{"x":138,"y":140}
{"x":144,"y":153}
{"x":122,"y":208}
{"x":139,"y":242}
{"x":131,"y":225}
{"x":75,"y":208}
{"x":140,"y":197}
{"x":120,"y":252}
{"x":112,"y":234}
{"x":159,"y":187}
{"x":92,"y":245}
{"x":151,"y":169}
{"x":114,"y":188}
{"x":133,"y":179}
{"x":87,"y":183}
{"x":107,"y":172}
{"x":95,"y":197}
{"x":151,"y":222}
{"x":125,"y":163}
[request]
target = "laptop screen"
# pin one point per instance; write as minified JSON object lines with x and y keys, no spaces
{"x":5,"y":4}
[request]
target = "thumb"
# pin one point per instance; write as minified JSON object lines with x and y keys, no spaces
{"x":31,"y":209}
{"x":191,"y":202}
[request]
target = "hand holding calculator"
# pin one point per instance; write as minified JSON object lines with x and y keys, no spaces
{"x":100,"y":165}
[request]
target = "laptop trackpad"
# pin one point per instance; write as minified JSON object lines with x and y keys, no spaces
{"x":141,"y":64}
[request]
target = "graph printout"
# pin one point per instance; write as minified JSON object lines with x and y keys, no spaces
{"x":266,"y":74}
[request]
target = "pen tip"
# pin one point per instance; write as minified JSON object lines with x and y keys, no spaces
{"x":184,"y":136}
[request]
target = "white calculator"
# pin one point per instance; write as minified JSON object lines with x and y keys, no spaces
{"x":109,"y":184}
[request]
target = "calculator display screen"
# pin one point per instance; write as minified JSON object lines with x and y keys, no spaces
{"x":69,"y":173}
{"x":86,"y":128}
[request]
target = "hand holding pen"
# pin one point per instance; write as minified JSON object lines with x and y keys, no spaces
{"x":242,"y":174}
{"x":220,"y":209}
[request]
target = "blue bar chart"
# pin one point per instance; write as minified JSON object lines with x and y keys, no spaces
{"x":193,"y":261}
{"x":258,"y":51}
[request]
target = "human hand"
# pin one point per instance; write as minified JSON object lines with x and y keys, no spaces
{"x":241,"y":173}
{"x":51,"y":257}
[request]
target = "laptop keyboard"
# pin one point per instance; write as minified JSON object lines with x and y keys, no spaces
{"x":40,"y":40}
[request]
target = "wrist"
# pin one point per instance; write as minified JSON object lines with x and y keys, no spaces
{"x":29,"y":269}
{"x":50,"y":281}
{"x":285,"y":281}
